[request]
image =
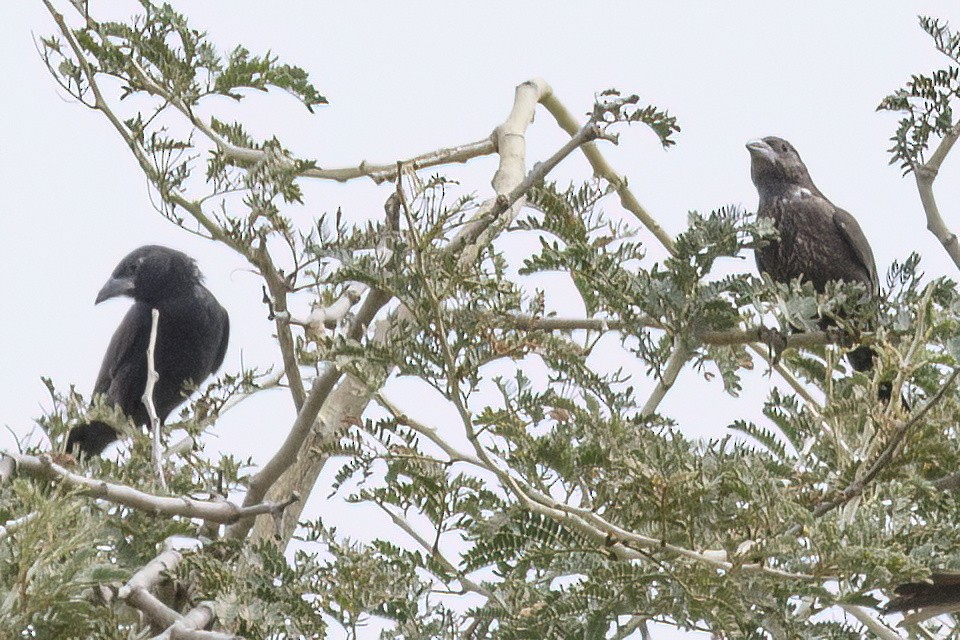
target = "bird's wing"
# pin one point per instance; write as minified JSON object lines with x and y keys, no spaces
{"x":853,"y":234}
{"x":224,"y":339}
{"x":126,"y":355}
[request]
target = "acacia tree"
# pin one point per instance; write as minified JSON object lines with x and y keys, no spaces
{"x":562,"y":501}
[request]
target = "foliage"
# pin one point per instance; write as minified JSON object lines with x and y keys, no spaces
{"x":561,"y":498}
{"x":927,"y":101}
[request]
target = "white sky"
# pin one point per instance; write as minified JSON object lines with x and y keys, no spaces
{"x":403,"y":78}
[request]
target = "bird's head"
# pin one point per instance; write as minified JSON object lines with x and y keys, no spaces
{"x":774,"y":163}
{"x":150,"y":274}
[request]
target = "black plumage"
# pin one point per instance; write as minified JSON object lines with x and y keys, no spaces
{"x":819,"y":241}
{"x":192,"y":335}
{"x":940,"y":594}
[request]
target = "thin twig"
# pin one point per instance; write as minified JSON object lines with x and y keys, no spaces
{"x":434,"y":552}
{"x":856,"y":487}
{"x":156,"y":450}
{"x":218,"y":511}
{"x":428,"y":432}
{"x":602,"y":168}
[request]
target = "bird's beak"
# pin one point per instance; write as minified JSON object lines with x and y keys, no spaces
{"x":115,"y":287}
{"x":760,"y":149}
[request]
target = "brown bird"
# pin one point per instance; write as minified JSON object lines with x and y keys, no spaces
{"x":819,"y":241}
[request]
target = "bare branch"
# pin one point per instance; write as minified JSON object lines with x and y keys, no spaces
{"x":925,"y":175}
{"x":377,"y":173}
{"x":388,"y":172}
{"x":603,"y":169}
{"x":219,"y":511}
{"x":679,"y":357}
{"x":875,"y":626}
{"x":11,"y":526}
{"x":278,"y":299}
{"x":428,"y":432}
{"x":431,"y":550}
{"x":137,"y":589}
{"x":137,"y":592}
{"x":156,"y":450}
{"x":190,"y":626}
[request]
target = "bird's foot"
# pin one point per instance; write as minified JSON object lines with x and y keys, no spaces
{"x":775,"y":340}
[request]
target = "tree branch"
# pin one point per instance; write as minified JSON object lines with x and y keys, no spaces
{"x":878,"y":628}
{"x":603,"y":169}
{"x":137,"y":592}
{"x":428,"y":432}
{"x":857,"y":487}
{"x":925,"y":175}
{"x":378,"y":173}
{"x":156,"y":450}
{"x":434,"y":553}
{"x":277,"y":288}
{"x":667,"y":377}
{"x":190,"y":626}
{"x":11,"y":526}
{"x":220,"y":511}
{"x":137,"y":589}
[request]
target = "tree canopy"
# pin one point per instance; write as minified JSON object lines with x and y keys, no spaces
{"x":561,"y":500}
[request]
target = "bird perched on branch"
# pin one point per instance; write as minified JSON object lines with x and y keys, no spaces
{"x":192,"y":335}
{"x":819,"y":241}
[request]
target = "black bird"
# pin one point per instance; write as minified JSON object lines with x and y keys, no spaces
{"x":819,"y":241}
{"x":192,"y":335}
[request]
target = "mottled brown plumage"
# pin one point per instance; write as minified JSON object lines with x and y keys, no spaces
{"x":819,"y":241}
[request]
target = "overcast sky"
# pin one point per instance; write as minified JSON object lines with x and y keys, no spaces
{"x":404,"y":78}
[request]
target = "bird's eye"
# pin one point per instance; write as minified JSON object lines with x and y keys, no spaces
{"x":785,"y":148}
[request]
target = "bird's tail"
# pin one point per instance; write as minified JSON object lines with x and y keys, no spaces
{"x":861,"y":358}
{"x":940,"y":594}
{"x":90,"y":439}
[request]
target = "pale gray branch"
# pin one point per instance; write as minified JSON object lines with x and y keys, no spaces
{"x":925,"y":175}
{"x":667,"y":377}
{"x":602,"y":168}
{"x":11,"y":526}
{"x":137,"y":589}
{"x":190,"y":626}
{"x":430,"y":549}
{"x":219,"y":511}
{"x":878,"y":628}
{"x":428,"y":432}
{"x":156,"y":451}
